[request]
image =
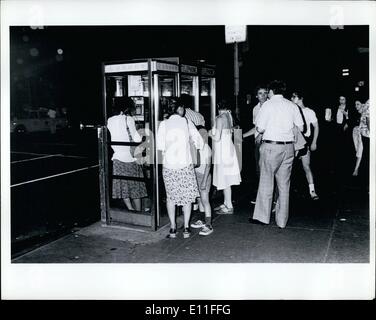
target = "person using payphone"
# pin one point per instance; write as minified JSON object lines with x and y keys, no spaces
{"x":123,"y":129}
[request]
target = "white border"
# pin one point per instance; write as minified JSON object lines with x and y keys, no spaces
{"x":167,"y":281}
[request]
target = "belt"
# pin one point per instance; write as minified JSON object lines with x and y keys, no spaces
{"x":277,"y":142}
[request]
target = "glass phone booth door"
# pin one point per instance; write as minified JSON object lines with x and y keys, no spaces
{"x":189,"y":85}
{"x":132,"y":190}
{"x":208,"y":95}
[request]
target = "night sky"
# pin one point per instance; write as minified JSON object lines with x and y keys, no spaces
{"x":309,"y":58}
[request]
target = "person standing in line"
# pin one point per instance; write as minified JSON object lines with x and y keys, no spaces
{"x":226,"y":171}
{"x":311,"y":138}
{"x":275,"y":124}
{"x":173,"y":139}
{"x":122,"y":128}
{"x":261,"y":95}
{"x":196,"y":117}
{"x":204,"y":181}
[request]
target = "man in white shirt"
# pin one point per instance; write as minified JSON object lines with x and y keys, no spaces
{"x":275,"y":124}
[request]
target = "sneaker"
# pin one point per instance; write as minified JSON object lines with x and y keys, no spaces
{"x":186,"y":233}
{"x":314,"y":196}
{"x":225,"y":210}
{"x":198,"y":224}
{"x":172,"y":234}
{"x":205,"y":231}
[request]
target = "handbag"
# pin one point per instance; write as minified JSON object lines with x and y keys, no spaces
{"x":195,"y":153}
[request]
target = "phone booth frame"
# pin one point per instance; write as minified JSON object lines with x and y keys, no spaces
{"x":154,"y":69}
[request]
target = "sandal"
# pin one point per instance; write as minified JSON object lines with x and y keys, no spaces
{"x":220,"y":207}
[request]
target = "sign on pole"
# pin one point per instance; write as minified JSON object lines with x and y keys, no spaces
{"x":235,"y":34}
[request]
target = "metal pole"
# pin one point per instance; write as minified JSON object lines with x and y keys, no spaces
{"x":236,"y":79}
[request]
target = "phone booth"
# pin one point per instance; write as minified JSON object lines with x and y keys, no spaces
{"x":150,"y":83}
{"x":207,"y":94}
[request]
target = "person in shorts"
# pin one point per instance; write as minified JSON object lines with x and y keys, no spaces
{"x":204,"y":182}
{"x":311,"y":138}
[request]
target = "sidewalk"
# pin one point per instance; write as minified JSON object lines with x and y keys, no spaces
{"x":317,"y":232}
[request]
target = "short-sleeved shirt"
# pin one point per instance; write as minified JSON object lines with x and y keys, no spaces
{"x":117,"y":125}
{"x":277,"y":117}
{"x":310,"y":118}
{"x":173,"y":138}
{"x":196,"y":117}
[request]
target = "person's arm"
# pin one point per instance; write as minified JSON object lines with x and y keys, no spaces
{"x":260,"y":135}
{"x":249,"y":133}
{"x":132,"y":129}
{"x":206,"y":172}
{"x":161,"y":137}
{"x":218,"y":130}
{"x":195,"y":135}
{"x":315,"y":135}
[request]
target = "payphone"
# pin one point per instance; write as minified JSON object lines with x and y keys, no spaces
{"x":150,"y":83}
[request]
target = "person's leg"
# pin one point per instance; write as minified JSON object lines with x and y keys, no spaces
{"x":358,"y":144}
{"x":257,"y":161}
{"x":137,"y":204}
{"x":201,"y":207}
{"x":128,"y":203}
{"x":269,"y":162}
{"x":187,"y":214}
{"x":228,"y":197}
{"x":206,"y":204}
{"x":283,"y":182}
{"x":171,"y":213}
{"x":357,"y":165}
{"x":306,"y":162}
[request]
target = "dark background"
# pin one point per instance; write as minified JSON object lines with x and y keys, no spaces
{"x":308,"y":57}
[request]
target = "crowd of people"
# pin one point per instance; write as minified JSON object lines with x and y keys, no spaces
{"x":194,"y":159}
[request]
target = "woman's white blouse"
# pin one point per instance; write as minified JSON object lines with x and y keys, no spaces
{"x":173,"y":140}
{"x":117,"y":127}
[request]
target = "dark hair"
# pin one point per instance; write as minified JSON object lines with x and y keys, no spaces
{"x":298,"y":93}
{"x":223,"y":105}
{"x":186,"y":100}
{"x":125,"y":105}
{"x":277,"y":86}
{"x":173,"y":105}
{"x":260,"y":87}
